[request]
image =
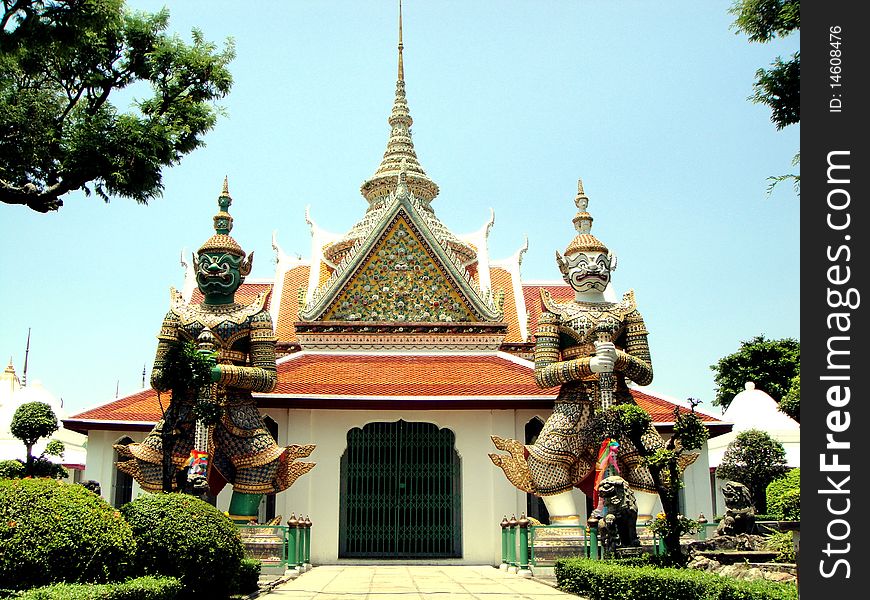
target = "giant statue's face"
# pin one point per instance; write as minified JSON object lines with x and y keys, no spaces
{"x":218,"y":274}
{"x":587,"y":271}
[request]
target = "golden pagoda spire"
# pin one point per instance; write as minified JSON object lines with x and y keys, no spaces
{"x":399,"y":147}
{"x":401,"y":66}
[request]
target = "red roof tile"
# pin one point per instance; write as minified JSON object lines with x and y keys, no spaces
{"x":294,"y":280}
{"x":379,"y":376}
{"x":502,"y":281}
{"x":244,"y":295}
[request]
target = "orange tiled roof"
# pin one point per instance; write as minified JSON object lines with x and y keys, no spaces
{"x":406,"y":375}
{"x":244,"y":295}
{"x":379,"y":376}
{"x":294,"y":279}
{"x":502,"y":281}
{"x":532,"y":298}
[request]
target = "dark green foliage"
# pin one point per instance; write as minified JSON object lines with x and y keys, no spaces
{"x":763,"y":20}
{"x":61,"y":61}
{"x":55,"y":532}
{"x":781,"y":495}
{"x":185,"y":369}
{"x":791,"y":402}
{"x":604,"y":580}
{"x":11,"y":469}
{"x":142,"y":588}
{"x":769,"y":364}
{"x":782,"y":542}
{"x":753,"y":459}
{"x":248,"y":577}
{"x":33,"y":421}
{"x":181,"y":536}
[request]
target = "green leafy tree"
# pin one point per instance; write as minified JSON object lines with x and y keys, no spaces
{"x":777,"y":87}
{"x":666,"y":465}
{"x":791,"y":402}
{"x":753,"y":459}
{"x":31,"y":422}
{"x":61,"y":61}
{"x":769,"y":364}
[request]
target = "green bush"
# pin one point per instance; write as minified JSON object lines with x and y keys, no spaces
{"x":248,"y":577}
{"x":54,"y":532}
{"x":602,"y":580}
{"x":180,"y":536}
{"x":143,"y":588}
{"x":11,"y":469}
{"x":782,"y":542}
{"x":783,"y":495}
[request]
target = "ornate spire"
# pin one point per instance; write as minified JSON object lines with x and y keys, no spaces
{"x":221,"y":241}
{"x":584,"y":241}
{"x":399,"y":147}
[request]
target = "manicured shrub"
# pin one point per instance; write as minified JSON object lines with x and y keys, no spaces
{"x":54,"y":532}
{"x":602,"y":580}
{"x":782,"y":542}
{"x":180,"y":536}
{"x":142,"y":588}
{"x":11,"y":469}
{"x":248,"y":577}
{"x":783,"y":496}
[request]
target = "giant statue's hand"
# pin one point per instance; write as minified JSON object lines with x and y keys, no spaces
{"x":604,"y":359}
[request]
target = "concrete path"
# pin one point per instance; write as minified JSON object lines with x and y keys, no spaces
{"x":408,"y":582}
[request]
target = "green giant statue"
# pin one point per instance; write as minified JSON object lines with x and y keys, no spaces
{"x":235,"y":447}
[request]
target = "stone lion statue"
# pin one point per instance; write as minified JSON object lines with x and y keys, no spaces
{"x":739,"y":512}
{"x":618,"y":528}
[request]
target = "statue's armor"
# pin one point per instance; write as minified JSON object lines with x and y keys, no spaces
{"x":242,"y":450}
{"x":566,"y":451}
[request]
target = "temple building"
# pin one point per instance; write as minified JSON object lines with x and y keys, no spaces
{"x":403,"y":347}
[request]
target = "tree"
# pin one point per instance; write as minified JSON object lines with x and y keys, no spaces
{"x":791,"y":402}
{"x":31,"y":422}
{"x":779,"y":86}
{"x":60,"y":61}
{"x":770,"y":364}
{"x":666,"y":464}
{"x":753,"y":459}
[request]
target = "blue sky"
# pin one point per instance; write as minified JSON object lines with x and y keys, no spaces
{"x":512,"y":102}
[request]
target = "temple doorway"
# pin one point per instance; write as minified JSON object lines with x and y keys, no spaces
{"x":400,"y":493}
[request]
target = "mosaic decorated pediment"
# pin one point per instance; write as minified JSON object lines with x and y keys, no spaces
{"x":401,"y":275}
{"x":400,"y":281}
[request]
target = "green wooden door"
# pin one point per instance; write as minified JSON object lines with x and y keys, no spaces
{"x":400,"y":493}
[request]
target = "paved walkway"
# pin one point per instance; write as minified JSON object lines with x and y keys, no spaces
{"x":406,"y":582}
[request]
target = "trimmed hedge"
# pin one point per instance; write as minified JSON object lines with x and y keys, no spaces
{"x":143,"y":588}
{"x":54,"y":532}
{"x":181,"y":536}
{"x":601,"y":580}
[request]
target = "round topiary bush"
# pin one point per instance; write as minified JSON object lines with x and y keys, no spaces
{"x":180,"y":536}
{"x":56,"y":532}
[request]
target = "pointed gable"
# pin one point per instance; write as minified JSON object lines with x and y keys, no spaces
{"x":401,"y":272}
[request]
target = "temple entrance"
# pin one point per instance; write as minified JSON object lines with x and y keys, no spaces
{"x":400,"y":493}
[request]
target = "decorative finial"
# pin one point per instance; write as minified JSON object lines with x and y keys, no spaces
{"x":584,"y":241}
{"x":401,"y":66}
{"x":221,"y":241}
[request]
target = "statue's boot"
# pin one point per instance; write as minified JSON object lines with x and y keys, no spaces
{"x":562,"y":509}
{"x":645,"y":504}
{"x":514,"y":464}
{"x":244,"y":507}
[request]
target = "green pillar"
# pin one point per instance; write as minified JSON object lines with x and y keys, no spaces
{"x":504,"y":543}
{"x":306,"y":557}
{"x":293,"y":542}
{"x":592,"y":529}
{"x":523,"y":527}
{"x":512,"y":544}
